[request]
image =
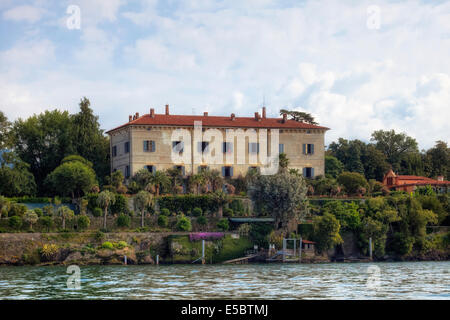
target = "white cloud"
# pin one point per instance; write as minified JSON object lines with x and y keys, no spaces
{"x":24,"y":13}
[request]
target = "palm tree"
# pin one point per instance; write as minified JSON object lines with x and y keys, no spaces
{"x":220,"y":198}
{"x":31,"y":217}
{"x":214,"y":179}
{"x":198,"y":180}
{"x":65,"y":214}
{"x":141,"y":202}
{"x":176,"y":177}
{"x":159,"y":180}
{"x":104,"y":200}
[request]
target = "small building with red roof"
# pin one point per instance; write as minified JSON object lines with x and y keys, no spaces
{"x":409,"y":183}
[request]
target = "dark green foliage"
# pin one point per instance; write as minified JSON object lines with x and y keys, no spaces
{"x":202,"y":220}
{"x":165,"y":212}
{"x":223,"y":224}
{"x":346,"y":212}
{"x":197,"y":212}
{"x":15,"y":222}
{"x":401,"y":244}
{"x":333,"y":167}
{"x":227,"y":212}
{"x":46,"y":222}
{"x":353,"y":182}
{"x":163,"y":221}
{"x":123,"y":220}
{"x":15,"y":177}
{"x":237,"y":206}
{"x":97,"y":212}
{"x":326,"y":232}
{"x":185,"y":203}
{"x":83,"y":222}
{"x":17,"y":209}
{"x":121,"y":204}
{"x":259,"y":233}
{"x":183,"y":224}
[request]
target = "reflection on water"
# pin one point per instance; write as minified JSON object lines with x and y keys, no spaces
{"x":405,"y":280}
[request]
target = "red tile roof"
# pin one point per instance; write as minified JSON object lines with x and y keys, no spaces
{"x":401,"y":177}
{"x":218,"y":121}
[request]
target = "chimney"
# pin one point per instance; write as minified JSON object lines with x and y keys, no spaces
{"x":205,"y":114}
{"x":440,"y":178}
{"x":233,"y":117}
{"x":130,"y":118}
{"x":167,"y":109}
{"x":284,"y":117}
{"x":264,"y":112}
{"x":137,"y":115}
{"x":257,"y":116}
{"x":152,"y":113}
{"x":134,"y":117}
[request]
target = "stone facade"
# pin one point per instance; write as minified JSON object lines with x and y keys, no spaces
{"x":143,"y":143}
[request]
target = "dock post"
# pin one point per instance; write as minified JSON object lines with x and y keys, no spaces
{"x":284,"y":250}
{"x":300,"y":251}
{"x":295,"y":247}
{"x":203,"y":252}
{"x":370,"y":248}
{"x":157,"y":259}
{"x":125,"y":259}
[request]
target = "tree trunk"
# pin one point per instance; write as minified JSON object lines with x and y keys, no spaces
{"x":104,"y":218}
{"x":64,"y":223}
{"x":142,"y":218}
{"x":220,"y":212}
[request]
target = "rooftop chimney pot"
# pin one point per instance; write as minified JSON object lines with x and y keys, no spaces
{"x":284,"y":117}
{"x":264,"y":112}
{"x":152,"y":112}
{"x":167,"y":109}
{"x":233,"y":117}
{"x":130,"y":118}
{"x":137,"y":115}
{"x":205,"y":113}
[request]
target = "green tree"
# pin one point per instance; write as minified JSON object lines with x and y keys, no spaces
{"x":43,"y":141}
{"x":299,"y":116}
{"x":438,"y":160}
{"x":283,"y":160}
{"x":352,"y":182}
{"x":89,"y":140}
{"x":73,"y":178}
{"x":326,"y":232}
{"x":31,"y":217}
{"x":66,"y":214}
{"x":220,"y":198}
{"x":83,"y":222}
{"x":160,"y":181}
{"x":281,"y":195}
{"x":394,"y":146}
{"x":104,"y":200}
{"x":5,"y":127}
{"x":333,"y":167}
{"x":184,"y":224}
{"x":15,"y":177}
{"x":141,"y":202}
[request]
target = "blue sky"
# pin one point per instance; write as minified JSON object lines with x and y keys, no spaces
{"x":356,"y":70}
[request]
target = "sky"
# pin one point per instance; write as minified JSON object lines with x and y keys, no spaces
{"x":356,"y":66}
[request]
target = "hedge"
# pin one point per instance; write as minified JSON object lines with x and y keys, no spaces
{"x":187,"y":203}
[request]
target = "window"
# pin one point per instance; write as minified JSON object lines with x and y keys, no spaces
{"x":178,"y":146}
{"x":227,"y":147}
{"x":127,"y":172}
{"x":114,"y":151}
{"x":151,"y":168}
{"x":308,"y":148}
{"x":281,"y":148}
{"x":390,"y":181}
{"x":203,"y":146}
{"x":227,"y":171}
{"x":253,"y":147}
{"x":180,"y":169}
{"x":127,"y":147}
{"x":308,"y":172}
{"x":149,"y":146}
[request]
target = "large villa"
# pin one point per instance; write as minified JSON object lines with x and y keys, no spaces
{"x":147,"y":141}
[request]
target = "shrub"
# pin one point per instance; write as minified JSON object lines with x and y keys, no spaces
{"x":121,"y":245}
{"x":184,"y":224}
{"x":123,"y":220}
{"x":107,"y":245}
{"x":202,"y":220}
{"x":49,"y":251}
{"x":97,"y":212}
{"x":46,"y":222}
{"x":39,"y":212}
{"x":227,"y":212}
{"x":163,"y":221}
{"x":237,"y":206}
{"x":48,"y":210}
{"x":353,"y":182}
{"x":197,"y":212}
{"x":121,"y":204}
{"x":223,"y":224}
{"x":15,"y":222}
{"x":17,"y":209}
{"x":99,"y":236}
{"x":83,"y":222}
{"x":165,"y":212}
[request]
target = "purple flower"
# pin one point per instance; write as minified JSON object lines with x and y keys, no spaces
{"x":205,"y":235}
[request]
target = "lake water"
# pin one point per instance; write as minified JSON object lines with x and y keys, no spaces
{"x":401,"y":280}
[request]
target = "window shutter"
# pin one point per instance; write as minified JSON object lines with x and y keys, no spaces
{"x":223,"y":171}
{"x":257,"y":147}
{"x":304,"y":148}
{"x":145,"y":144}
{"x":312,"y":172}
{"x":183,"y":170}
{"x":199,"y":147}
{"x":231,"y":171}
{"x":304,"y":171}
{"x":312,"y":149}
{"x":224,"y":147}
{"x":153,"y":146}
